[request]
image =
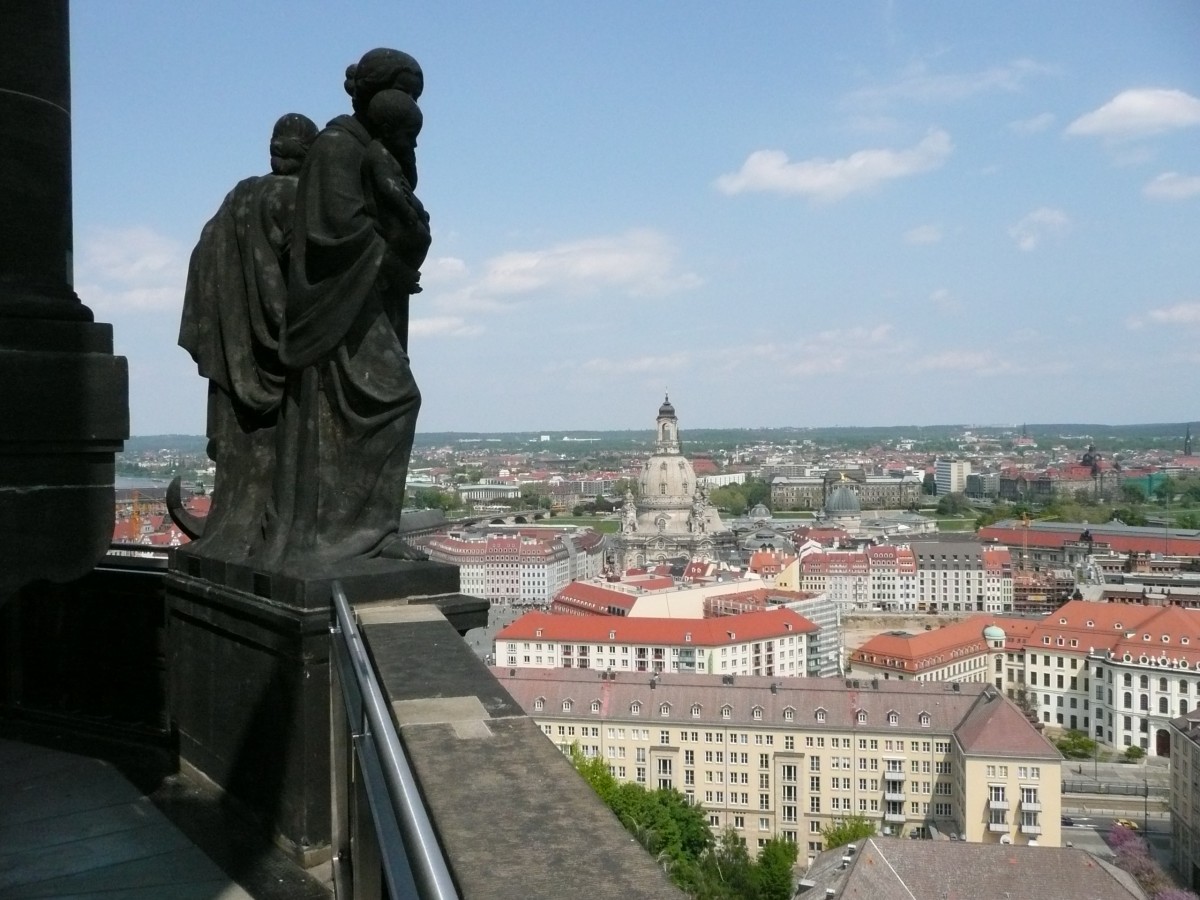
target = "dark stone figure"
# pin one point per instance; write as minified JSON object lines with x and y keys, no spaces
{"x":350,"y":403}
{"x":232,"y":315}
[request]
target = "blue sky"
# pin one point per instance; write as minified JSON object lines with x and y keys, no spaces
{"x":861,"y":213}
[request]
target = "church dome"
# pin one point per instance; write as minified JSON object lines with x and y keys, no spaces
{"x":842,"y":501}
{"x":667,"y":480}
{"x":993,"y":633}
{"x":666,"y":410}
{"x":759,"y":511}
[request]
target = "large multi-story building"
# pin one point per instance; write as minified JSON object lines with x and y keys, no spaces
{"x":522,"y":566}
{"x":812,"y":491}
{"x":1185,"y":796}
{"x":772,"y":757}
{"x":950,"y":476}
{"x":961,"y":651}
{"x":767,"y":642}
{"x":924,"y":576}
{"x":1069,"y":545}
{"x":662,"y":597}
{"x":1118,"y":672}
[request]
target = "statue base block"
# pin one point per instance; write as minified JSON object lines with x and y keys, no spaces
{"x":248,"y":663}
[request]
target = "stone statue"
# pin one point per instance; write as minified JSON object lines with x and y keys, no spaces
{"x":349,"y":408}
{"x":699,"y":505}
{"x":629,"y":514}
{"x":232,"y":312}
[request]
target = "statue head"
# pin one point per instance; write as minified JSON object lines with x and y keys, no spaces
{"x":395,"y":120}
{"x":291,"y":137}
{"x":379,"y":70}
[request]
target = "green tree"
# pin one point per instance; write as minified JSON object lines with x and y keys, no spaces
{"x":730,"y":498}
{"x":1134,"y":753}
{"x":1165,"y":490}
{"x":847,"y":831}
{"x":1187,"y":520}
{"x":1076,"y":745}
{"x":756,"y":491}
{"x":773,"y":878}
{"x":952,"y":504}
{"x":1132,"y":492}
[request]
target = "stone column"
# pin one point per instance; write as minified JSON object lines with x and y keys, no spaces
{"x":63,"y":395}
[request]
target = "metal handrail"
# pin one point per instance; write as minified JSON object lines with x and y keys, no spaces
{"x":412,"y":859}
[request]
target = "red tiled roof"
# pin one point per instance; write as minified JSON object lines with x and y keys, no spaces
{"x":751,"y":626}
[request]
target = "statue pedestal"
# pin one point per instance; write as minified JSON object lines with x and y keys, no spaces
{"x":248,"y":663}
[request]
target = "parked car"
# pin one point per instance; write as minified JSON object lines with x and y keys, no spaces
{"x":1067,"y":820}
{"x":1126,"y":823}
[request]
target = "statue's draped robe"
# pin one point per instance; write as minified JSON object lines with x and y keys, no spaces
{"x":350,"y":403}
{"x":233,"y":306}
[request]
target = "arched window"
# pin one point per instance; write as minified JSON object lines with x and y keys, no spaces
{"x":820,"y":715}
{"x":1183,"y":686}
{"x":1144,"y":702}
{"x":924,"y":720}
{"x":1128,"y":704}
{"x":1144,"y":682}
{"x":635,"y":708}
{"x":1163,"y":706}
{"x":695,"y":710}
{"x":1162,"y":684}
{"x":893,"y":718}
{"x":1183,"y":707}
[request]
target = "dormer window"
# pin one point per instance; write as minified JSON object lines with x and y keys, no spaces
{"x":695,"y":710}
{"x":539,"y":704}
{"x":821,"y":716}
{"x":789,"y":714}
{"x":893,"y":718}
{"x":862,"y":716}
{"x":635,"y":708}
{"x":664,"y":709}
{"x":924,"y":719}
{"x":757,"y":712}
{"x":726,"y":711}
{"x":595,"y":706}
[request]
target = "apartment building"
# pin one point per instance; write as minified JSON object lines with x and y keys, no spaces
{"x":950,"y":475}
{"x":922,"y":576}
{"x":1185,"y":796}
{"x":767,"y":642}
{"x":521,"y":566}
{"x":772,"y":757}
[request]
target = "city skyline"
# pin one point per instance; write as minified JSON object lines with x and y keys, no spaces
{"x":895,"y":214}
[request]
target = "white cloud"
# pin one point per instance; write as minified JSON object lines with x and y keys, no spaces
{"x":1186,"y":314}
{"x":1039,"y":225}
{"x":945,"y":301}
{"x":639,"y":263}
{"x":923,"y":234}
{"x":970,"y":362}
{"x":640,"y":365}
{"x":1173,"y":186}
{"x":1033,"y":125}
{"x":443,"y":270}
{"x":442,"y":326}
{"x":828,"y":180}
{"x":921,"y":85}
{"x":130,"y":269}
{"x":1139,"y":113}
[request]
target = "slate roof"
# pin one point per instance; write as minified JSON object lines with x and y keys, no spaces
{"x":816,"y":704}
{"x":885,"y":868}
{"x":995,"y":727}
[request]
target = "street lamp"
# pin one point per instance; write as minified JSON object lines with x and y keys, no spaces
{"x":1146,"y":806}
